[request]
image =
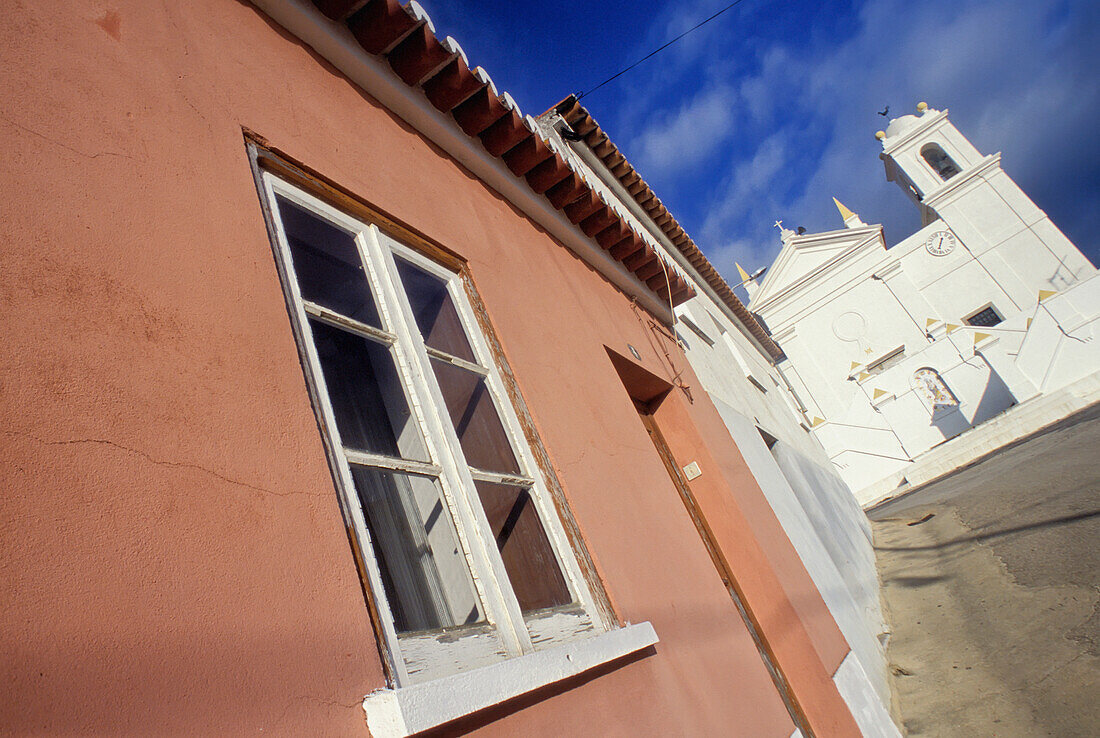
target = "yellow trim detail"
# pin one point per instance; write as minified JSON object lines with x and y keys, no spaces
{"x":1028,"y":323}
{"x":931,"y":322}
{"x":979,"y":337}
{"x":1047,"y":294}
{"x":744,"y":275}
{"x":878,"y":393}
{"x":816,"y":422}
{"x":864,"y":376}
{"x":845,"y":213}
{"x":854,"y":365}
{"x":951,"y":327}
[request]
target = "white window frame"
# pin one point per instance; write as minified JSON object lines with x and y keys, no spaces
{"x":544,"y":645}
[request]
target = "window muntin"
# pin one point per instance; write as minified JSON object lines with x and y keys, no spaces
{"x":448,"y":441}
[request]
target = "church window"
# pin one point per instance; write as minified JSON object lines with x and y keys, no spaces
{"x":931,"y":385}
{"x":891,"y":359}
{"x":938,"y":159}
{"x":696,"y":330}
{"x":984,"y":318}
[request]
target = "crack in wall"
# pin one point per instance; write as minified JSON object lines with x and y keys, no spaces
{"x":62,"y":145}
{"x":319,"y":700}
{"x":158,"y":462}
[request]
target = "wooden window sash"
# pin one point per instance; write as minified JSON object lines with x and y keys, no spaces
{"x":584,"y":607}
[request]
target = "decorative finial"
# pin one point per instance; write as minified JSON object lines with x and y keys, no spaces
{"x":748,"y":281}
{"x":845,"y":213}
{"x":851,"y":220}
{"x":880,"y":135}
{"x":922,"y":106}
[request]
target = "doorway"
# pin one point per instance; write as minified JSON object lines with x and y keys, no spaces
{"x":648,"y":393}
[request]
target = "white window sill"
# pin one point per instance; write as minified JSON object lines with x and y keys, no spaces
{"x":395,"y":713}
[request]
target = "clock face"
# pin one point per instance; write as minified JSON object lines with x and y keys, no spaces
{"x":940,"y":243}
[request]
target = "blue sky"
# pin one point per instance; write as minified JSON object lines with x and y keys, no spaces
{"x":770,"y":110}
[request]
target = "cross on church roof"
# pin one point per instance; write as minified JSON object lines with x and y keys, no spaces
{"x":778,"y":224}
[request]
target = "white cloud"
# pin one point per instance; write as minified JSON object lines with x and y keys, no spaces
{"x":687,"y":137}
{"x":1016,"y":75}
{"x":751,"y":181}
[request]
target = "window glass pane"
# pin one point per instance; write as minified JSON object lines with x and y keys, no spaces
{"x":434,"y":311}
{"x":985,"y":318}
{"x":364,"y":388}
{"x":327,"y":264}
{"x":484,"y":442}
{"x":532,"y":568}
{"x":424,"y":572}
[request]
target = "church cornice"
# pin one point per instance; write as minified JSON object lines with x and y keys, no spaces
{"x":869,"y":238}
{"x":955,"y":186}
{"x":905,"y":139}
{"x":826,"y":295}
{"x":810,"y":240}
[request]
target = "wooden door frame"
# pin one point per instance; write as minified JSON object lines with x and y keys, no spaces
{"x":646,"y":412}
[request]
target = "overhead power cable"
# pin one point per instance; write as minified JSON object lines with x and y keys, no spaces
{"x":661,"y":48}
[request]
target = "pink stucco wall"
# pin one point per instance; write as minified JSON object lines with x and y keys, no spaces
{"x":173,"y":558}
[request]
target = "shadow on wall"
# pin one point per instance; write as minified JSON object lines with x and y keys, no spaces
{"x":996,"y":398}
{"x":950,"y":423}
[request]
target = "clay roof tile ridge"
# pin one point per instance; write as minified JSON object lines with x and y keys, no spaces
{"x":451,"y":45}
{"x":416,"y":12}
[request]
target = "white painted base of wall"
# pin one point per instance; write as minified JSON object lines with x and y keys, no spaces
{"x":1011,"y":425}
{"x":871,"y":715}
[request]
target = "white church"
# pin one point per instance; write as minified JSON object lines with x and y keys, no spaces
{"x":885,"y":366}
{"x":914,"y":359}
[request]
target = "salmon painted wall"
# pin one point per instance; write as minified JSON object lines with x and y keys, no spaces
{"x":173,"y":558}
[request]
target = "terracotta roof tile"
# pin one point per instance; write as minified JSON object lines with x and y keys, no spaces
{"x":566,"y":191}
{"x":405,"y":36}
{"x":582,"y":123}
{"x":380,"y":24}
{"x":452,"y":85}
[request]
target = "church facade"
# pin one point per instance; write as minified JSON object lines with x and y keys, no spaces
{"x":896,"y":350}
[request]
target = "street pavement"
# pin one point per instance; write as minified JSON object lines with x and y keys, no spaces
{"x":991,"y":582}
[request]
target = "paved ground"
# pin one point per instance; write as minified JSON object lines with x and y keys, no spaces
{"x":991,"y":579}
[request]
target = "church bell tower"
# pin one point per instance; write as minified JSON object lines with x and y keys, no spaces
{"x":950,"y":180}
